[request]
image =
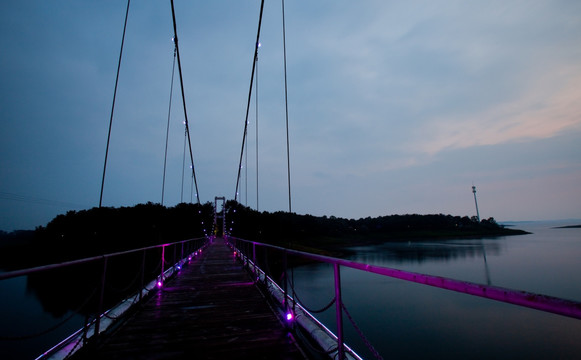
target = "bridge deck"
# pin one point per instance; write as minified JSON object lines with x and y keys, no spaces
{"x":212,"y":310}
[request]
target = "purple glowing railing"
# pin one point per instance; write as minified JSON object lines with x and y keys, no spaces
{"x":541,"y":302}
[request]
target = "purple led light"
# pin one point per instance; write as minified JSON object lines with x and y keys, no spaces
{"x":159,"y":283}
{"x":289,"y":316}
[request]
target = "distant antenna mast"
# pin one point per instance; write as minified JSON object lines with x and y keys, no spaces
{"x":476,"y":203}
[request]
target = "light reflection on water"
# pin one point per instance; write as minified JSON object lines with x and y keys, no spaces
{"x":408,"y":321}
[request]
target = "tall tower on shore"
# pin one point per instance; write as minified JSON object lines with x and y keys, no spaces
{"x":476,"y":202}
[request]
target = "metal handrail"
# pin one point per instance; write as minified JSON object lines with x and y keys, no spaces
{"x":540,"y":302}
{"x":96,"y":323}
{"x":22,"y":272}
{"x":569,"y":308}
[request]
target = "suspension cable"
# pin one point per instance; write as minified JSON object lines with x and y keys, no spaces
{"x":113,"y":105}
{"x":256,"y":108}
{"x":292,"y":280}
{"x":168,"y":118}
{"x":286,"y":110}
{"x":183,"y":167}
{"x":249,"y":98}
{"x":184,"y":97}
{"x":361,"y":335}
{"x":246,"y":174}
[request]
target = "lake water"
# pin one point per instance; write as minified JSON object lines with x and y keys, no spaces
{"x":404,"y":320}
{"x":25,"y":322}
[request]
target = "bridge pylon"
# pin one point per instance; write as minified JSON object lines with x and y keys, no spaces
{"x":220,"y":215}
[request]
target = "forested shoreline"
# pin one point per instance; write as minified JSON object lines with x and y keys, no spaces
{"x":98,"y":231}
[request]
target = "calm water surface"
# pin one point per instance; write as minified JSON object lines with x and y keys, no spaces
{"x":404,"y":320}
{"x":26,"y":324}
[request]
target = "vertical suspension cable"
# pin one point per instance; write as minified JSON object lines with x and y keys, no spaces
{"x":183,"y":167}
{"x":184,"y":97}
{"x":287,"y":147}
{"x":246,"y":175}
{"x":256,"y":99}
{"x":113,"y":105}
{"x":167,"y":130}
{"x":286,"y":111}
{"x":249,"y":98}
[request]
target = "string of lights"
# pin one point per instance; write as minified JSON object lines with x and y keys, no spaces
{"x":256,"y":46}
{"x":184,"y":99}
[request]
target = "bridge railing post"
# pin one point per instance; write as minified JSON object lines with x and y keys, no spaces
{"x":174,"y":259}
{"x":284,"y":273}
{"x":101,"y":297}
{"x":142,"y":282}
{"x":254,"y":257}
{"x":339,"y":312}
{"x":161,"y":279}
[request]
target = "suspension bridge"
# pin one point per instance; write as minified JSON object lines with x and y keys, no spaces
{"x":225,"y":297}
{"x":218,"y":296}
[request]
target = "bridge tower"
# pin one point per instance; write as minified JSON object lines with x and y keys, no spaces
{"x":476,"y":203}
{"x":220,"y":215}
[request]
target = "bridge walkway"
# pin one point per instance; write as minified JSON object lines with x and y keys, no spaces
{"x":211,"y":310}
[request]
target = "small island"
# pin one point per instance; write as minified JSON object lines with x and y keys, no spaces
{"x":333,"y":233}
{"x":568,"y":227}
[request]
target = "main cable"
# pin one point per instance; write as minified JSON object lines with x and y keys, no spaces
{"x":184,"y":98}
{"x":113,"y":106}
{"x":249,"y":98}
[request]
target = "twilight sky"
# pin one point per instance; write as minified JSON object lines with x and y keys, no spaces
{"x":394,"y":106}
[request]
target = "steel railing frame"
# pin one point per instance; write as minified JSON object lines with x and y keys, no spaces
{"x":535,"y":301}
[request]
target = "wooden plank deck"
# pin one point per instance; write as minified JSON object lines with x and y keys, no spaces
{"x":211,"y":310}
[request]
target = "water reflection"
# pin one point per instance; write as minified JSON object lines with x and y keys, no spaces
{"x":404,"y":320}
{"x":432,"y":251}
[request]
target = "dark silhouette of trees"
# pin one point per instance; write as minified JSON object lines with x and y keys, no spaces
{"x":283,"y":227}
{"x":97,"y":231}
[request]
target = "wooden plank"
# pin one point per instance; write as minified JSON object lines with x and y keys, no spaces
{"x":211,"y":310}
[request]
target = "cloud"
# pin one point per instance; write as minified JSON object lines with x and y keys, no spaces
{"x":549,"y":107}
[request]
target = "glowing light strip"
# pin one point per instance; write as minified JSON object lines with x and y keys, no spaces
{"x":541,"y":302}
